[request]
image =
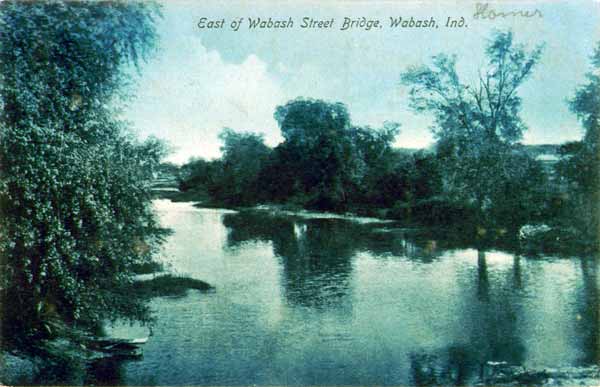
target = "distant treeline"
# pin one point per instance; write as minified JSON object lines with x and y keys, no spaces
{"x":477,"y":172}
{"x":326,"y":163}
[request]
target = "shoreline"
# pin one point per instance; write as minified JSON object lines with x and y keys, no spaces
{"x":19,"y":371}
{"x":557,"y":240}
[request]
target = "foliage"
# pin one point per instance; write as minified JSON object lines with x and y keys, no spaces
{"x":580,"y":165}
{"x":476,"y":173}
{"x":324,"y":163}
{"x":379,"y":161}
{"x":489,"y":111}
{"x":244,"y":155}
{"x":234,"y":179}
{"x":476,"y":126}
{"x":319,"y":146}
{"x":74,"y":187}
{"x":167,"y":169}
{"x":198,"y":172}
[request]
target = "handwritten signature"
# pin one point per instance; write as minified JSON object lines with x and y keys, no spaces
{"x":484,"y":11}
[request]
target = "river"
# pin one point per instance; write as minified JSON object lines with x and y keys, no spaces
{"x":323,"y":301}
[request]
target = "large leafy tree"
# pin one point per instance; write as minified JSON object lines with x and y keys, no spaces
{"x":476,"y":126}
{"x":318,"y":145}
{"x":76,"y":214}
{"x":581,"y":166}
{"x":373,"y":147}
{"x":244,"y":155}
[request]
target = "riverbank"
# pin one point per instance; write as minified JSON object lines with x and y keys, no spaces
{"x":71,"y":360}
{"x":430,"y":211}
{"x":436,"y":213}
{"x":505,"y":375}
{"x":202,"y":200}
{"x":168,"y":285}
{"x":307,"y":214}
{"x":18,"y":371}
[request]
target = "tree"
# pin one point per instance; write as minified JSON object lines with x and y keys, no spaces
{"x":198,"y":174}
{"x":318,"y":146}
{"x":581,"y":164}
{"x":244,"y":155}
{"x":476,"y":126}
{"x":74,"y":190}
{"x":374,"y":149}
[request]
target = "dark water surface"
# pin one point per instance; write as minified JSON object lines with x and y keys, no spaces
{"x":331,"y":301}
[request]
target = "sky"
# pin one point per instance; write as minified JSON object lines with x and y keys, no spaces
{"x":202,"y":80}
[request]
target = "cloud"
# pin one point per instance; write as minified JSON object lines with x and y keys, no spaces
{"x":188,"y":94}
{"x":205,"y":80}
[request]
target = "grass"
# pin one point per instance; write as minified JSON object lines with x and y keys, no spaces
{"x":169,"y":285}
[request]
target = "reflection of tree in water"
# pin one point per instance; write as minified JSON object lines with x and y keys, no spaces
{"x":455,"y":365}
{"x":317,"y":262}
{"x":588,"y":311}
{"x":491,"y":322}
{"x":491,"y":319}
{"x":73,"y":371}
{"x":60,"y":371}
{"x":380,"y":241}
{"x":105,"y":372}
{"x":315,"y":254}
{"x":250,"y":226}
{"x":483,"y":282}
{"x":404,"y":243}
{"x":517,"y":273}
{"x":489,"y":331}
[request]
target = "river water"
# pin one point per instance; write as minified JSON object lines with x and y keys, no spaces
{"x":323,"y":301}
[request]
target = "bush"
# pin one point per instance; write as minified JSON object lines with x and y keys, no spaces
{"x":76,"y":216}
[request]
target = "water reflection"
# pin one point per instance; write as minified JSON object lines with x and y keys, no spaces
{"x":483,"y":284}
{"x":452,"y":366}
{"x":317,"y":258}
{"x":333,"y":302}
{"x":517,"y":274}
{"x":73,"y":371}
{"x":105,"y":372}
{"x":588,"y":314}
{"x":493,"y":317}
{"x":315,"y":255}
